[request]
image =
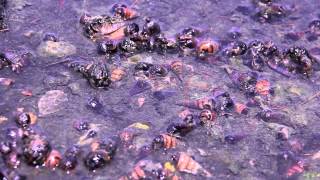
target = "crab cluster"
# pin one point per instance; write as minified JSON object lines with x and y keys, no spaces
{"x":258,"y":54}
{"x":3,"y":24}
{"x":150,"y":39}
{"x":116,"y":36}
{"x":13,"y":60}
{"x":23,"y":144}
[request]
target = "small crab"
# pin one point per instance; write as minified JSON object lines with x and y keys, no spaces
{"x":164,"y":45}
{"x":314,"y":27}
{"x":237,"y":48}
{"x":207,"y":48}
{"x":245,"y":81}
{"x":131,"y":29}
{"x":151,"y":70}
{"x":69,"y":160}
{"x":259,"y":53}
{"x":36,"y":150}
{"x":186,"y":39}
{"x":101,"y":156}
{"x":271,"y":12}
{"x":179,"y":129}
{"x":124,"y":12}
{"x":151,"y":28}
{"x":130,"y":46}
{"x":107,"y":47}
{"x":16,"y":61}
{"x":97,"y":73}
{"x":3,"y":24}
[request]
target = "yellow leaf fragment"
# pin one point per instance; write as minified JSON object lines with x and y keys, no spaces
{"x":169,"y":166}
{"x":140,"y":126}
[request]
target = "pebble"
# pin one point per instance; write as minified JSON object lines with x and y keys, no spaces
{"x":51,"y":102}
{"x":56,"y":80}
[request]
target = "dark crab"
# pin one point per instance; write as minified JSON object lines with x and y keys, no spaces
{"x":97,"y":73}
{"x":245,"y":81}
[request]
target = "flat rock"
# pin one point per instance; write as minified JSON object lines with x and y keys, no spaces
{"x":51,"y":102}
{"x":56,"y":49}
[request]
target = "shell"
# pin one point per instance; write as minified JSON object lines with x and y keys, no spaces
{"x":187,"y":164}
{"x":177,"y":67}
{"x":169,"y":142}
{"x":138,"y":173}
{"x":130,"y":14}
{"x":263,"y":87}
{"x":241,"y":108}
{"x":139,"y":87}
{"x":207,"y":48}
{"x":207,"y":116}
{"x":117,"y":74}
{"x":203,"y":103}
{"x":53,"y":159}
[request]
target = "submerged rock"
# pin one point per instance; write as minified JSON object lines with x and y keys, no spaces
{"x":56,"y":49}
{"x":51,"y":102}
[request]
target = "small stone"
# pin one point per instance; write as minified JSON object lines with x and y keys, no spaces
{"x":51,"y":102}
{"x":56,"y":49}
{"x":134,"y":59}
{"x":195,"y":82}
{"x":140,"y":101}
{"x":29,"y":34}
{"x":75,"y":88}
{"x":6,"y":81}
{"x":3,"y":119}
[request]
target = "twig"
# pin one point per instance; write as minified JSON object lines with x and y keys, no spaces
{"x":55,"y":63}
{"x":311,"y":98}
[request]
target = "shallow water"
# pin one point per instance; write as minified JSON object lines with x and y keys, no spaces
{"x":216,"y":18}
